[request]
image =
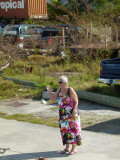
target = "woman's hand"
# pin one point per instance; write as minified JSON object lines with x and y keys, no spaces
{"x":52,"y":96}
{"x":49,"y":89}
{"x":74,"y":114}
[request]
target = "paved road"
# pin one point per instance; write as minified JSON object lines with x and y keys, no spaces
{"x":29,"y":141}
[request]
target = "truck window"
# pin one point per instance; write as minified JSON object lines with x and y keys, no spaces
{"x":10,"y":30}
{"x":1,"y":31}
{"x":22,"y":31}
{"x":49,"y":32}
{"x":15,"y":29}
{"x":35,"y":31}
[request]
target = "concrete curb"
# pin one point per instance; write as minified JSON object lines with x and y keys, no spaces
{"x":45,"y":94}
{"x":22,"y":82}
{"x":94,"y":97}
{"x":99,"y":98}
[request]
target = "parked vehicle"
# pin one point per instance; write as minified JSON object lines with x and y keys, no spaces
{"x":15,"y":34}
{"x":4,"y":22}
{"x":1,"y":29}
{"x":48,"y":42}
{"x":70,"y":34}
{"x":53,"y":37}
{"x":31,"y":38}
{"x":110,"y":73}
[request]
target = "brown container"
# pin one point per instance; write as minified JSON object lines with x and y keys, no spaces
{"x":23,"y":8}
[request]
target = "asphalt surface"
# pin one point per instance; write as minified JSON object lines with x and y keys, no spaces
{"x":25,"y":141}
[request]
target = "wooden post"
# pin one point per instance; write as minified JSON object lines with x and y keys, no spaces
{"x":99,"y":30}
{"x":87,"y":33}
{"x":87,"y":29}
{"x":86,"y":43}
{"x":106,"y":36}
{"x":63,"y":35}
{"x":117,"y":33}
{"x":90,"y":32}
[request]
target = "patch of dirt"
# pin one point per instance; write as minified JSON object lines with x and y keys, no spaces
{"x":88,"y":120}
{"x":94,"y":117}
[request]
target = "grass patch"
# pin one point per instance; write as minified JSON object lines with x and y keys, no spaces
{"x":53,"y":122}
{"x":54,"y":108}
{"x":90,"y":122}
{"x":44,"y":69}
{"x":87,"y":120}
{"x":8,"y":89}
{"x":103,"y":89}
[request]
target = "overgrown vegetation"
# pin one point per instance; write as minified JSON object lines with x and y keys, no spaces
{"x":99,"y":19}
{"x":9,"y":89}
{"x":82,"y":75}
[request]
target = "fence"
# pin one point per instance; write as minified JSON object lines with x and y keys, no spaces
{"x":107,"y":35}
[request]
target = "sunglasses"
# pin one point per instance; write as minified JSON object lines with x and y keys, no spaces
{"x":60,"y":82}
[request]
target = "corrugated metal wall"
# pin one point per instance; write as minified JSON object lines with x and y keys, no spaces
{"x":32,"y":9}
{"x":37,"y":7}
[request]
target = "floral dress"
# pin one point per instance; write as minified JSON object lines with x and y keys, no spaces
{"x":70,"y":129}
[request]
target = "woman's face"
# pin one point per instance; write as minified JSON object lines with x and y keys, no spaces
{"x":61,"y":83}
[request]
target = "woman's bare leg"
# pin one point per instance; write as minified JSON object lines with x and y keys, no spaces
{"x":65,"y":150}
{"x":73,"y":151}
{"x":67,"y":147}
{"x":74,"y":147}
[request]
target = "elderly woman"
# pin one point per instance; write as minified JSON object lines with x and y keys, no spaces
{"x":69,"y":119}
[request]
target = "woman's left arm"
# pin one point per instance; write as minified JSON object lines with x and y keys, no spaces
{"x":74,"y":97}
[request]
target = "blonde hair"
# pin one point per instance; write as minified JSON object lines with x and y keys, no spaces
{"x":64,"y":79}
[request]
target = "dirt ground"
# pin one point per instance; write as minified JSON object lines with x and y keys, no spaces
{"x":94,"y":117}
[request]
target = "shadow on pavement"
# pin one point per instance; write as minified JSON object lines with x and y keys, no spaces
{"x":110,"y":127}
{"x":89,"y":106}
{"x":26,"y":156}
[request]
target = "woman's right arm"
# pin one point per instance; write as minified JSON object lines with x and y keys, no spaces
{"x":52,"y":96}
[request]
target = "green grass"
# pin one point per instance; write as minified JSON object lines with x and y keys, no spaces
{"x":53,"y":122}
{"x":44,"y":73}
{"x":90,"y":122}
{"x":8,"y":89}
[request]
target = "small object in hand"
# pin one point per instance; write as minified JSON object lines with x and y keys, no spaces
{"x":41,"y":158}
{"x":43,"y":101}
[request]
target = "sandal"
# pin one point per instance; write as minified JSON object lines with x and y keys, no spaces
{"x":64,"y":151}
{"x":72,"y":152}
{"x":41,"y":158}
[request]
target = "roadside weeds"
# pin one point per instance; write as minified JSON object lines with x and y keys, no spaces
{"x":87,"y":120}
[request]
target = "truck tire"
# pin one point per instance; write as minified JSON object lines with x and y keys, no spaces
{"x":23,"y":54}
{"x":117,"y":88}
{"x":9,"y":39}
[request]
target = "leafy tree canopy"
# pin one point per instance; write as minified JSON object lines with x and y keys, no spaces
{"x":106,"y":9}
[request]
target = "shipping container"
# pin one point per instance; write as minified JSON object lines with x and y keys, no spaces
{"x":23,"y":9}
